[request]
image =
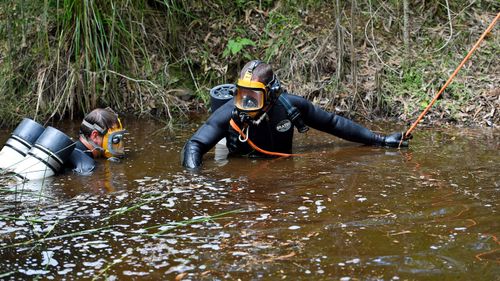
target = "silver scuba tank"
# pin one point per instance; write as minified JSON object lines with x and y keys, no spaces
{"x":19,"y":143}
{"x":47,"y":156}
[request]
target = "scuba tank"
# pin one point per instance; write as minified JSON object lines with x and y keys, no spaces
{"x":19,"y":143}
{"x":47,"y":157}
{"x":219,"y":95}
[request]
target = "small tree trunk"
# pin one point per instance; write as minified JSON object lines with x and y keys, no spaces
{"x":354,"y":63}
{"x":340,"y":45}
{"x":406,"y":28}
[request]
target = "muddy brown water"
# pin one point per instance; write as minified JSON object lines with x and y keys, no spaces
{"x":341,"y":212}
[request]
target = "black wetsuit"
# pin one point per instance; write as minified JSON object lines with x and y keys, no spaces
{"x":81,"y":160}
{"x":274,"y":133}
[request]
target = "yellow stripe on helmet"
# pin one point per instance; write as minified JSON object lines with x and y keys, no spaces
{"x":251,"y":84}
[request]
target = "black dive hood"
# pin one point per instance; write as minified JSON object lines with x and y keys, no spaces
{"x":219,"y":95}
{"x":47,"y":157}
{"x":19,"y":143}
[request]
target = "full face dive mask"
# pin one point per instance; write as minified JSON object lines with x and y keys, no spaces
{"x":252,"y":97}
{"x":112,"y":141}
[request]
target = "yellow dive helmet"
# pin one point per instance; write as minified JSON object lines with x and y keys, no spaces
{"x":112,"y":141}
{"x":252,"y":96}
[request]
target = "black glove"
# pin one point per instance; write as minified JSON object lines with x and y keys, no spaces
{"x":191,"y":156}
{"x":394,"y":140}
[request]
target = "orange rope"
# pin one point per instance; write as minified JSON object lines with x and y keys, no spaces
{"x":490,"y":27}
{"x":478,"y":256}
{"x":235,"y":127}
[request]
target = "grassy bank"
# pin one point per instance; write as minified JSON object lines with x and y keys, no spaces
{"x":365,"y":59}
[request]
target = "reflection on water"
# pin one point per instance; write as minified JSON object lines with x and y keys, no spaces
{"x":343,"y":212}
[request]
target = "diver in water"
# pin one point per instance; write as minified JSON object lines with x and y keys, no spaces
{"x":33,"y":152}
{"x":101,"y":136}
{"x":260,"y":119}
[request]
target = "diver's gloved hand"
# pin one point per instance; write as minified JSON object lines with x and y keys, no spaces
{"x":191,"y":156}
{"x":394,"y":139}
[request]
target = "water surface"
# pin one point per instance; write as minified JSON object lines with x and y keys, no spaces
{"x":341,"y":212}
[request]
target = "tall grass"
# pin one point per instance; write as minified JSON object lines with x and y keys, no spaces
{"x":62,"y":58}
{"x":66,"y":57}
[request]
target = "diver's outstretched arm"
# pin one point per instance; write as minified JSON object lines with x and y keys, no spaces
{"x":342,"y":127}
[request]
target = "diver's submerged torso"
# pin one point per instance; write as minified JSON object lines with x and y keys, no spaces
{"x":81,"y":160}
{"x":274,"y":133}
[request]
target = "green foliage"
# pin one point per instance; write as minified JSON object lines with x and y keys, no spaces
{"x":410,"y":85}
{"x":243,"y":4}
{"x":236,"y":46}
{"x":460,"y":93}
{"x":279,"y":34}
{"x":411,"y":82}
{"x":62,"y":58}
{"x":415,"y":90}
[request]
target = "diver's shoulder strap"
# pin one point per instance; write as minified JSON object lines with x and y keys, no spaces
{"x":293,"y":113}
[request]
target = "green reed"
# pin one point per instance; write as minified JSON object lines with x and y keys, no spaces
{"x":173,"y":225}
{"x":176,"y":224}
{"x":110,"y":265}
{"x":7,"y":274}
{"x":46,"y":239}
{"x":21,"y":219}
{"x":123,"y":210}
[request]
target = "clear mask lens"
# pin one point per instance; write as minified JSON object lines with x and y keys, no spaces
{"x":113,"y":144}
{"x":117,"y":139}
{"x":248,"y":99}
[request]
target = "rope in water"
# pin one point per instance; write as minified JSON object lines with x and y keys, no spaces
{"x":490,"y":27}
